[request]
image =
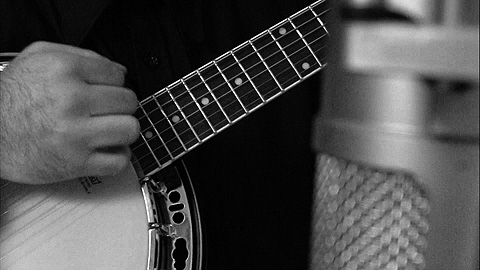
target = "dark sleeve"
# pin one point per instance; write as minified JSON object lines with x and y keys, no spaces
{"x":25,"y":21}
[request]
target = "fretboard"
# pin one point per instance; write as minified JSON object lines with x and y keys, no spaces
{"x":193,"y":109}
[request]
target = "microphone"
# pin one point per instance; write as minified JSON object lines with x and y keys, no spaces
{"x":367,"y":218}
{"x":397,"y":137}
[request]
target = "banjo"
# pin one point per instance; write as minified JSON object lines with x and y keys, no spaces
{"x":147,"y":216}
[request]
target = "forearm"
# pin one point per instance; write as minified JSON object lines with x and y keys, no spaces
{"x":23,"y":119}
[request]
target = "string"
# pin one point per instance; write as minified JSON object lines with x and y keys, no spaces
{"x":243,"y":95}
{"x":259,"y":86}
{"x":230,"y":104}
{"x":255,"y":52}
{"x":275,"y":40}
{"x":226,"y":83}
{"x":295,"y":28}
{"x":197,"y":143}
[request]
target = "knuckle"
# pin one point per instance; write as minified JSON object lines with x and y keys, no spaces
{"x":50,"y":57}
{"x":63,"y":132}
{"x":59,"y":63}
{"x":88,"y":53}
{"x":40,"y":59}
{"x":67,"y":136}
{"x":38,"y":46}
{"x":133,"y":130}
{"x":109,"y":72}
{"x":74,"y":102}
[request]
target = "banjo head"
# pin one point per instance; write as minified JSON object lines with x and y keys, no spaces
{"x":100,"y":223}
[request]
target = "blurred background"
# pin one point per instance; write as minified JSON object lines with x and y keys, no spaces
{"x":396,"y":185}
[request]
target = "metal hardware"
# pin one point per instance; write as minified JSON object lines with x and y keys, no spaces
{"x":164,"y":230}
{"x":157,"y":187}
{"x":5,"y":59}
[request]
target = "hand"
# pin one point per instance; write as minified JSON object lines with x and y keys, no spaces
{"x":64,"y":113}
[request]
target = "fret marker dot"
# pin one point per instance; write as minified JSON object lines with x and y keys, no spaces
{"x":176,"y":118}
{"x":282,"y":31}
{"x":305,"y":65}
{"x":238,"y":81}
{"x":205,"y":101}
{"x":148,"y":134}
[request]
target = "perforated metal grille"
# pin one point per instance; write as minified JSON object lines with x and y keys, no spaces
{"x":367,"y":219}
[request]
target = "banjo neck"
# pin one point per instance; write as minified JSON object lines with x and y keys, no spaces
{"x":195,"y":108}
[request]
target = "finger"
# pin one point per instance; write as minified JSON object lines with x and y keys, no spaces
{"x":107,"y":100}
{"x":100,"y":71}
{"x":111,"y":131}
{"x":102,"y":163}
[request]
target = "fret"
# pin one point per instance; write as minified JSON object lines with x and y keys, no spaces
{"x":150,"y":144}
{"x":306,"y":17}
{"x":317,"y":42}
{"x":320,"y":8}
{"x":180,"y":122}
{"x":321,"y":11}
{"x":231,"y":88}
{"x":239,"y":82}
{"x":145,"y":148}
{"x":314,"y":33}
{"x":237,"y":61}
{"x":302,"y":38}
{"x":261,"y":77}
{"x":192,"y":117}
{"x":275,"y":60}
{"x":222,"y":93}
{"x":297,"y":48}
{"x":284,"y":53}
{"x":206,"y":101}
{"x":144,"y":153}
{"x":162,"y":126}
{"x":181,"y":131}
{"x":196,"y":115}
{"x":262,"y":60}
{"x":152,"y":120}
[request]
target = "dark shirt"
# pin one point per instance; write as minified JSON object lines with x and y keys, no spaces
{"x":149,"y":37}
{"x":143,"y":36}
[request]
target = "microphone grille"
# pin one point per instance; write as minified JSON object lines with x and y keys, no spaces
{"x":366,"y":218}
